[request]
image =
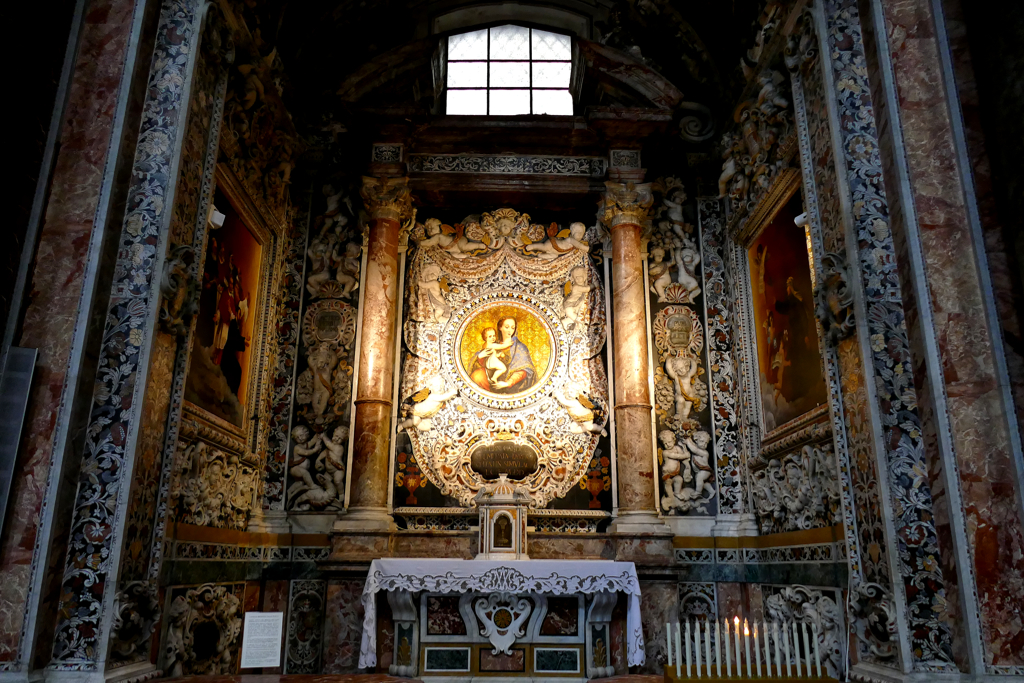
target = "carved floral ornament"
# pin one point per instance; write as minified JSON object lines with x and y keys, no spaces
{"x":500,"y":362}
{"x":834,"y":299}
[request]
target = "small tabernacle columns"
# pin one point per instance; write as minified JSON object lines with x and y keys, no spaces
{"x":625,"y":211}
{"x":388,"y":202}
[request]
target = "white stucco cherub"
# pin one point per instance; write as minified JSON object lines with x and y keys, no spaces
{"x":334,"y":456}
{"x":429,"y":288}
{"x":687,"y":258}
{"x":682,"y":369}
{"x":675,"y":469}
{"x":659,"y":272}
{"x":426,"y":403}
{"x":306,"y":446}
{"x":579,"y":407}
{"x":555,"y":246}
{"x":697,"y":444}
{"x":575,"y":302}
{"x":347,"y":267}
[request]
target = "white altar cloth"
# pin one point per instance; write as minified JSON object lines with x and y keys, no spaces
{"x":551,"y":577}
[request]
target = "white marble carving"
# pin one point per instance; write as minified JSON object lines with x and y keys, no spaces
{"x":502,"y":619}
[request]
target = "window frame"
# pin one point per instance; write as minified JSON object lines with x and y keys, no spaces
{"x":529,"y":60}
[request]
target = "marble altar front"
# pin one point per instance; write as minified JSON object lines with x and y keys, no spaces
{"x":459,"y":619}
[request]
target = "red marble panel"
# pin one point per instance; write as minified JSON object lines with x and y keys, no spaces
{"x":56,"y":285}
{"x":978,"y":429}
{"x":344,"y":626}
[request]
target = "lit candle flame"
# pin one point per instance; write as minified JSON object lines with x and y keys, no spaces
{"x":736,"y":620}
{"x":746,"y":629}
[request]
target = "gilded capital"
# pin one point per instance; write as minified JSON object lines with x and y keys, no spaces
{"x":626,"y":204}
{"x":386,"y":197}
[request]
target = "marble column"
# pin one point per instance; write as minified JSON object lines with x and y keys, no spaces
{"x":388,"y":202}
{"x":625,"y":210}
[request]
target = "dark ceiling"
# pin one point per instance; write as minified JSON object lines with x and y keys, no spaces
{"x":343,"y":60}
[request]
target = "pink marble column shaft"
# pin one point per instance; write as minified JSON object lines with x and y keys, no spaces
{"x":625,"y":210}
{"x":387,"y":201}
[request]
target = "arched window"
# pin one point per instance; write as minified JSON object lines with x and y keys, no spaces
{"x":508,"y":70}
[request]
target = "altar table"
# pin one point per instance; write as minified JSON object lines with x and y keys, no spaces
{"x":404,"y":577}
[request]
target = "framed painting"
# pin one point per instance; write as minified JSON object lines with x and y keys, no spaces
{"x":228,"y":344}
{"x":788,"y":357}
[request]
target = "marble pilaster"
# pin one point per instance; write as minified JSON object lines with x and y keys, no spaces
{"x":388,"y":202}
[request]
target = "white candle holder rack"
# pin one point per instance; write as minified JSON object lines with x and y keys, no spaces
{"x":740,"y":651}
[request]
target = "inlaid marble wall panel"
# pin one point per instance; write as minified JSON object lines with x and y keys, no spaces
{"x":51,"y":314}
{"x":343,"y":627}
{"x":659,"y":604}
{"x":305,"y":630}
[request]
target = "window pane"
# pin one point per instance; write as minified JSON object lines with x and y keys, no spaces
{"x":510,"y":42}
{"x":467,"y":102}
{"x":548,"y":45}
{"x":551,"y":74}
{"x":510,"y":102}
{"x":556,"y":102}
{"x":510,"y":74}
{"x":468,"y":45}
{"x":467,"y":74}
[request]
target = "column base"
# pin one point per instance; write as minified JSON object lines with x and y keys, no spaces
{"x":639,"y":522}
{"x":365,"y":519}
{"x":743,"y":524}
{"x":269,"y":522}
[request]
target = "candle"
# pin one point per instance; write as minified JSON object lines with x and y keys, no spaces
{"x":746,"y":644}
{"x":796,"y":649}
{"x":728,"y":658}
{"x":679,"y":654}
{"x":785,"y":649}
{"x":757,"y":650}
{"x":807,"y":647}
{"x":778,"y":655}
{"x":718,"y":648}
{"x":668,"y":642}
{"x":736,"y":635}
{"x":696,"y":646}
{"x":707,"y":645}
{"x":817,"y":657}
{"x":687,"y":648}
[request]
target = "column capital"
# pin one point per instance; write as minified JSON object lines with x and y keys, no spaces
{"x":626,"y":204}
{"x":387,"y":198}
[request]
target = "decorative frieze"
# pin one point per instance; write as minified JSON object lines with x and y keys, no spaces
{"x":507,"y":164}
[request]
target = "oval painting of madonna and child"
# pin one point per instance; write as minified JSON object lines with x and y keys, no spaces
{"x":504,"y":349}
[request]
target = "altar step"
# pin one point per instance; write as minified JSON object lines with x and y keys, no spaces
{"x":295,"y":678}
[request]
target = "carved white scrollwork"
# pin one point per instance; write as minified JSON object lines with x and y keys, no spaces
{"x":502,"y":619}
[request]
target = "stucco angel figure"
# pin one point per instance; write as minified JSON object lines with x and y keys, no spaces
{"x":672,"y":201}
{"x":659,"y":272}
{"x":306,"y":446}
{"x":461,"y":245}
{"x":682,"y":369}
{"x":697,"y":444}
{"x":580,"y":409}
{"x":675,"y":469}
{"x":346,"y":265}
{"x":442,"y":236}
{"x":426,"y":403}
{"x":575,"y":302}
{"x":319,"y":252}
{"x":556,"y":246}
{"x":315,"y":382}
{"x":429,"y":289}
{"x":334,"y":457}
{"x":687,"y":258}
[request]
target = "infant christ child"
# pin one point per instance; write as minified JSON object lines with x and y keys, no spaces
{"x":494,"y":367}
